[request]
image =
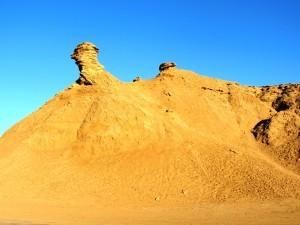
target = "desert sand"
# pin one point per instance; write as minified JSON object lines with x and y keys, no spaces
{"x":181,"y":148}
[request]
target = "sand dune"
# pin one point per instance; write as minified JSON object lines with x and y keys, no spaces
{"x":180,"y":142}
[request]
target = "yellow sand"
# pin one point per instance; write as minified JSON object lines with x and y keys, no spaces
{"x":177,"y":149}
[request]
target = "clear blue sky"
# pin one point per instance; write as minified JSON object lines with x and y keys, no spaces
{"x":253,"y":42}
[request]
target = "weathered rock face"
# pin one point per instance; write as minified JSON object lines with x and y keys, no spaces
{"x":280,"y":133}
{"x":90,"y":69}
{"x":166,"y":65}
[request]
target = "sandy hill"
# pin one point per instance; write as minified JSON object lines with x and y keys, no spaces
{"x":179,"y":139}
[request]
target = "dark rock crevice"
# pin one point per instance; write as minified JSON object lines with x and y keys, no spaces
{"x":260,"y":130}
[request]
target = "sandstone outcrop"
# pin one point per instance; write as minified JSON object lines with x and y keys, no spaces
{"x":280,"y":133}
{"x":179,"y":139}
{"x":166,"y":65}
{"x":86,"y":58}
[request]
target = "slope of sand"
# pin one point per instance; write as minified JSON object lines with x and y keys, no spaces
{"x":181,"y":142}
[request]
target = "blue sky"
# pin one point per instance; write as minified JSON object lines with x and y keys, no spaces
{"x":251,"y":42}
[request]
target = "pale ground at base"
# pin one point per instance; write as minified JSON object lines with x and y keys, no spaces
{"x":283,"y":212}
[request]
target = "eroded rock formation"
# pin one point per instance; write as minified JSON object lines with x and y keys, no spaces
{"x":179,"y":138}
{"x":281,"y":131}
{"x":86,"y":57}
{"x":166,"y":65}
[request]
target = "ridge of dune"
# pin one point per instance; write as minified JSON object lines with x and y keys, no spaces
{"x":178,"y":139}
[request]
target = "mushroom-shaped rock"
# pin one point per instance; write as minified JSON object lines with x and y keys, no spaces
{"x":85,"y":56}
{"x":166,"y":65}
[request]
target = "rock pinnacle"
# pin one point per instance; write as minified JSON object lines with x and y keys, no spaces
{"x":85,"y":56}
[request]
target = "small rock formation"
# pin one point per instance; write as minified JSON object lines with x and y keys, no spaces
{"x":85,"y":56}
{"x":166,"y":65}
{"x":136,"y":79}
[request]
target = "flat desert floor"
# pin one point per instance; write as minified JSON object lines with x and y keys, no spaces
{"x":283,"y":212}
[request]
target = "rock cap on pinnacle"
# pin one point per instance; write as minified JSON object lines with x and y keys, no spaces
{"x":166,"y":65}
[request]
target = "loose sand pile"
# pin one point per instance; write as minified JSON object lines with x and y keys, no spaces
{"x":178,"y":140}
